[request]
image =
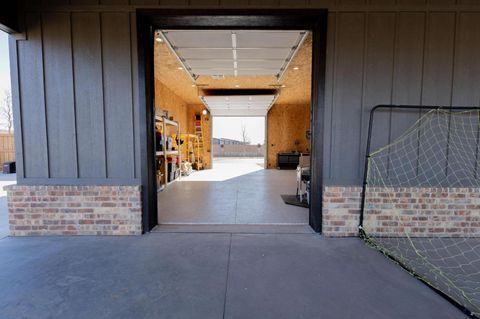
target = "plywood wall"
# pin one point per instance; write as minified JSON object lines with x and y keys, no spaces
{"x":166,"y":100}
{"x":7,"y":148}
{"x":285,"y":124}
{"x":184,"y":113}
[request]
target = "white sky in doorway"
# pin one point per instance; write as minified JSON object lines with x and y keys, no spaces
{"x":231,"y":127}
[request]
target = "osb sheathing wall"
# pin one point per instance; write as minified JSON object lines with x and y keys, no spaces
{"x":166,"y":100}
{"x":287,"y":123}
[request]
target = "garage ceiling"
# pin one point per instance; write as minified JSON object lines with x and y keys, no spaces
{"x":293,"y":88}
{"x":239,"y":105}
{"x":239,"y":53}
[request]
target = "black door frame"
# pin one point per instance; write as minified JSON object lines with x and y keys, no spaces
{"x":314,"y":20}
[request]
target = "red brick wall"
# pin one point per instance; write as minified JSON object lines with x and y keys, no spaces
{"x":341,"y":211}
{"x":434,"y":212}
{"x":438,"y":212}
{"x":74,"y":210}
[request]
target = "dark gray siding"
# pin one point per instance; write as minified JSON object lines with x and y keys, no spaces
{"x":118,"y":100}
{"x":414,"y":57}
{"x":75,"y":80}
{"x":88,"y":79}
{"x":59,"y":99}
{"x":32,"y":100}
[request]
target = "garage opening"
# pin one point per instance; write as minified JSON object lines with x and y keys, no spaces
{"x":238,"y":145}
{"x":232,"y":127}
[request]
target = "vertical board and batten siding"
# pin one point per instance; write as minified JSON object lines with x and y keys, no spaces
{"x":413,"y":58}
{"x":59,"y":99}
{"x":88,"y":79}
{"x":77,"y":75}
{"x":32,"y":99}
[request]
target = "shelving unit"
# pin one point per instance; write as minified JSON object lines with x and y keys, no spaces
{"x":162,"y":125}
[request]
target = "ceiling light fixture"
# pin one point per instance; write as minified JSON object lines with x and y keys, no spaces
{"x":284,"y":86}
{"x":296,"y":68}
{"x":204,"y":112}
{"x":159,"y":39}
{"x":237,"y":85}
{"x":180,"y":68}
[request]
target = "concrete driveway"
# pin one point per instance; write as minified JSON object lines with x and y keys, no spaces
{"x":192,"y":275}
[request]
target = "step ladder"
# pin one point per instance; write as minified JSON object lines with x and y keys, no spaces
{"x":199,"y":143}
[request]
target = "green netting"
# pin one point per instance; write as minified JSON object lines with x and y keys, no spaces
{"x":422,"y":203}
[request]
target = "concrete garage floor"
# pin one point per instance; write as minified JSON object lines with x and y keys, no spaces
{"x":235,"y":191}
{"x":169,"y":275}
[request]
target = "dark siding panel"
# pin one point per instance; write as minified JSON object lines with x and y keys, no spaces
{"x":263,"y":2}
{"x":55,"y":2}
{"x":113,"y":2}
{"x":17,"y":115}
{"x":136,"y":102}
{"x":32,"y":99}
{"x":407,"y":86}
{"x":353,"y":2}
{"x":203,"y":2}
{"x":466,"y":90}
{"x":382,"y":2}
{"x":174,"y":2}
{"x":409,"y":59}
{"x":118,"y":94}
{"x":347,"y":106}
{"x":442,"y":2}
{"x":437,"y":78}
{"x":234,"y":3}
{"x":329,"y":80}
{"x":59,"y":95}
{"x":411,"y":2}
{"x":378,"y":78}
{"x":84,"y":2}
{"x":437,"y":90}
{"x":144,"y":2}
{"x":88,"y":95}
{"x":322,"y":4}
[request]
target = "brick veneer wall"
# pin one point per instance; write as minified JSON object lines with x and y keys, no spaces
{"x":438,"y":212}
{"x":341,"y":211}
{"x":74,"y":210}
{"x":434,"y":212}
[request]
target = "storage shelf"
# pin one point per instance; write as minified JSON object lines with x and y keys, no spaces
{"x":162,"y":123}
{"x":167,"y":153}
{"x":166,"y":121}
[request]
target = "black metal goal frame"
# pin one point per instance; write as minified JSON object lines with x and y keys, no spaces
{"x":362,"y":233}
